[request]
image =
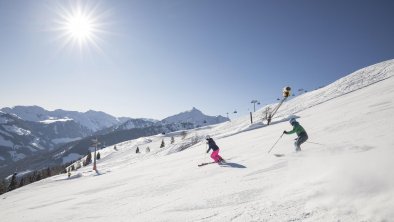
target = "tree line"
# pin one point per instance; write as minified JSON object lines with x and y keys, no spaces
{"x":19,"y":180}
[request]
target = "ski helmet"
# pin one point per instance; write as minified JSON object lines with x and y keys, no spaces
{"x":292,"y":121}
{"x":207,"y":137}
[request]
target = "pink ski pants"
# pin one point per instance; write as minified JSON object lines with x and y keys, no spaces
{"x":215,"y":156}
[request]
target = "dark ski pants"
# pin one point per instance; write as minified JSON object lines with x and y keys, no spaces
{"x":300,"y":140}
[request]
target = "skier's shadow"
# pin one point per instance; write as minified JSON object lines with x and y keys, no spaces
{"x":233,"y":165}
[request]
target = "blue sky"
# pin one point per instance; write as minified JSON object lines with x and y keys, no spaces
{"x":158,"y":58}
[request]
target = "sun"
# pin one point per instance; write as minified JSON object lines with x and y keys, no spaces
{"x":80,"y":25}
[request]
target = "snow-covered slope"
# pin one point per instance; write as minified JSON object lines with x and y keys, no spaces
{"x":343,"y":173}
{"x":357,"y":80}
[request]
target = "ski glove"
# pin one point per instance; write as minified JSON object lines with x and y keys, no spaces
{"x":285,"y":132}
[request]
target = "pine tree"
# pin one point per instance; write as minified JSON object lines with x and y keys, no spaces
{"x":3,"y":188}
{"x":14,"y":183}
{"x":31,"y":178}
{"x":172,"y":139}
{"x":137,"y":150}
{"x":162,"y":144}
{"x":98,"y":155}
{"x":38,"y":178}
{"x":49,"y":172}
{"x":183,"y":134}
{"x":89,"y":158}
{"x":22,"y":182}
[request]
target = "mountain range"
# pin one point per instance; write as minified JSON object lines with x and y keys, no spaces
{"x":32,"y":136}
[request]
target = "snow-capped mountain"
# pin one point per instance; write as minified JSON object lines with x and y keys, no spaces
{"x":93,"y":120}
{"x":343,"y":172}
{"x":185,"y":120}
{"x":21,"y":139}
{"x":58,"y":136}
{"x":136,"y":123}
{"x":129,"y":124}
{"x":196,"y":117}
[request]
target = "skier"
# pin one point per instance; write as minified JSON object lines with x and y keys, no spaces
{"x":215,"y":150}
{"x":301,"y":133}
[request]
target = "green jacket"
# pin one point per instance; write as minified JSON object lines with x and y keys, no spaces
{"x":297,"y":128}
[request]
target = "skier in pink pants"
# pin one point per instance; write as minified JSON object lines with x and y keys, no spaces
{"x":215,"y":154}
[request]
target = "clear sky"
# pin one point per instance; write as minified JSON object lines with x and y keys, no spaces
{"x":158,"y":58}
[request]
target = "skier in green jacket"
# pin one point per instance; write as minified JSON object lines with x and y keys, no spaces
{"x":300,"y":131}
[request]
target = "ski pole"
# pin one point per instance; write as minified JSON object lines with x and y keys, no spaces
{"x":275,"y":143}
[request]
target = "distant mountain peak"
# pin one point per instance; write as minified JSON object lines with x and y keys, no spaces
{"x":194,"y":116}
{"x":194,"y":110}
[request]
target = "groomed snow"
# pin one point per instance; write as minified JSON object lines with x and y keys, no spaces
{"x":344,"y":172}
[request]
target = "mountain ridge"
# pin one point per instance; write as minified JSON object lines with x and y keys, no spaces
{"x":48,"y":132}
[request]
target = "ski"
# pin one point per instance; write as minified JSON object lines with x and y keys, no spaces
{"x":203,"y":164}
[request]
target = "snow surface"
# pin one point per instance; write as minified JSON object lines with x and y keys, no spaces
{"x":71,"y":157}
{"x":54,"y":120}
{"x":344,"y":172}
{"x":17,"y":130}
{"x":36,"y":143}
{"x":64,"y":140}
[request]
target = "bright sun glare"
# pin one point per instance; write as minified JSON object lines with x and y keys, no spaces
{"x":80,"y":26}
